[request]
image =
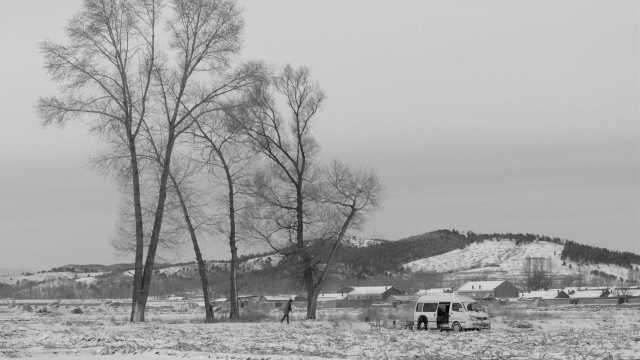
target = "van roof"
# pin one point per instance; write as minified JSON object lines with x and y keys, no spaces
{"x":446,"y":297}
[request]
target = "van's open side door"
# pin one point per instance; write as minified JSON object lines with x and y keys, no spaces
{"x":443,"y":314}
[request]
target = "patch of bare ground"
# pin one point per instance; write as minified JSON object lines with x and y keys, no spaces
{"x":517,"y":333}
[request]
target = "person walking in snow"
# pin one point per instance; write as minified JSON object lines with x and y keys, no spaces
{"x":287,"y":310}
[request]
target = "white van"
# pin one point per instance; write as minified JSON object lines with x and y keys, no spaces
{"x":453,"y":312}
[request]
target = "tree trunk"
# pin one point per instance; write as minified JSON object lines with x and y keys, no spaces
{"x":312,"y":296}
{"x":233,"y":290}
{"x":312,"y":303}
{"x":157,"y":226}
{"x":234,"y":312}
{"x":310,"y":287}
{"x":137,"y":308}
{"x":202,"y":267}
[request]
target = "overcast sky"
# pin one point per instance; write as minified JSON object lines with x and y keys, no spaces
{"x":493,"y":116}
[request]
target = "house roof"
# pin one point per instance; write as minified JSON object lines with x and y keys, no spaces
{"x":345,"y":290}
{"x":279,"y":297}
{"x":548,"y":294}
{"x":332,"y":296}
{"x":369,"y":290}
{"x":575,"y":288}
{"x":240,"y":297}
{"x":245,"y":297}
{"x":480,"y":285}
{"x":581,"y":294}
{"x":434,"y":291}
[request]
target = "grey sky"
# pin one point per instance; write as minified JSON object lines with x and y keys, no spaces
{"x":486,"y":116}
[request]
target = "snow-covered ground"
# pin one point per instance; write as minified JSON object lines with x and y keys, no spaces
{"x":544,"y":333}
{"x":503,"y":258}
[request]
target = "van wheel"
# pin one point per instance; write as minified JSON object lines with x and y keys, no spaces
{"x":422,"y":320}
{"x":456,"y":327}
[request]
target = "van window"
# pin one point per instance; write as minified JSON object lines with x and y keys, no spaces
{"x":474,"y":307}
{"x":456,"y":307}
{"x":418,"y":307}
{"x":430,"y":307}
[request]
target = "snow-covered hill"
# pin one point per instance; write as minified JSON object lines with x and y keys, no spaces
{"x":501,"y":258}
{"x":191,"y":270}
{"x":260,"y":262}
{"x":51,"y":276}
{"x":361,"y":242}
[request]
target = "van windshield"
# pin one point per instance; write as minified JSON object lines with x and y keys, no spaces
{"x":473,"y":307}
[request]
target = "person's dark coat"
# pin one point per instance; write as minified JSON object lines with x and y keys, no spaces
{"x":287,"y":308}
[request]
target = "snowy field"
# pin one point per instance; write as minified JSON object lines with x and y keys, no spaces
{"x":563,"y":332}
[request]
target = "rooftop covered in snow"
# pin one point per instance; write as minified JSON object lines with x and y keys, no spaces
{"x":480,"y":285}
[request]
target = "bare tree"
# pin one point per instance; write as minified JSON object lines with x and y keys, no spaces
{"x":284,"y":188}
{"x":105,"y":74}
{"x":581,"y":274}
{"x":229,"y":161}
{"x":112,"y":73}
{"x":538,"y":273}
{"x":183,"y":176}
{"x":204,"y":38}
{"x":350,"y":196}
{"x":293,"y":210}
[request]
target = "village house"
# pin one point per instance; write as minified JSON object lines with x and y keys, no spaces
{"x":372,"y":293}
{"x":434,"y":291}
{"x":243,"y":301}
{"x":588,"y":296}
{"x":545,"y":294}
{"x":331,"y":300}
{"x":571,"y":289}
{"x":279,"y":300}
{"x":489,"y":290}
{"x":331,"y":296}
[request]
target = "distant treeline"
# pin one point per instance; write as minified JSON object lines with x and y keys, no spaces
{"x":591,"y":254}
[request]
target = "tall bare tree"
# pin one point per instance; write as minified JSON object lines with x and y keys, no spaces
{"x":349,"y":197}
{"x":292,"y":211}
{"x":229,"y":161}
{"x":105,"y":74}
{"x":184,"y":175}
{"x":204,"y":38}
{"x":113,"y":74}
{"x":282,"y":189}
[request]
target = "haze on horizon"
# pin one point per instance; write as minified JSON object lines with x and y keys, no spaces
{"x":491,"y":117}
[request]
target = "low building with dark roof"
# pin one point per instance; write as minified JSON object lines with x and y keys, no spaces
{"x":486,"y":290}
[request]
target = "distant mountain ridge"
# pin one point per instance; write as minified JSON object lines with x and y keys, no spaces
{"x":376,"y":256}
{"x":442,"y":254}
